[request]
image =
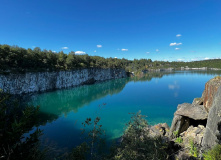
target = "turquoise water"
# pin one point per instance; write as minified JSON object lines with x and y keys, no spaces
{"x":156,"y":95}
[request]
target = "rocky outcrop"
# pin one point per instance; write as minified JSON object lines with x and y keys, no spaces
{"x":198,"y":101}
{"x":187,"y":114}
{"x":211,"y":88}
{"x":43,"y":81}
{"x":193,"y":111}
{"x":194,"y":134}
{"x":201,"y":120}
{"x":195,"y":127}
{"x":161,"y":129}
{"x":212,"y":134}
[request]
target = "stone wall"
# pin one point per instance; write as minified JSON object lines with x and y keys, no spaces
{"x":43,"y":81}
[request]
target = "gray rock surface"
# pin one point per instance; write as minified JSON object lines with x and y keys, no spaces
{"x":179,"y":124}
{"x":193,"y":111}
{"x":212,"y":135}
{"x":194,"y":134}
{"x":43,"y":81}
{"x":182,"y":116}
{"x":198,"y":101}
{"x":160,"y":129}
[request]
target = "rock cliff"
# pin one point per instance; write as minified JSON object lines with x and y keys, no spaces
{"x":43,"y":81}
{"x":212,"y":135}
{"x":201,"y":120}
{"x":211,"y":88}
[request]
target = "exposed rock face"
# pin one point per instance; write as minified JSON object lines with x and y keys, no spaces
{"x":193,"y":133}
{"x":43,"y":81}
{"x":196,"y":112}
{"x":160,"y":129}
{"x":185,"y":115}
{"x":179,"y":124}
{"x":198,"y":101}
{"x":212,"y":134}
{"x":210,"y":91}
{"x":201,"y":120}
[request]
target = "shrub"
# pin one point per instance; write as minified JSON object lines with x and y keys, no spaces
{"x":193,"y":149}
{"x":15,"y":120}
{"x":179,"y":140}
{"x":137,"y":144}
{"x":213,"y":154}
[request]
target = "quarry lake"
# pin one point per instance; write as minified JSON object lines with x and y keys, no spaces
{"x":156,"y":95}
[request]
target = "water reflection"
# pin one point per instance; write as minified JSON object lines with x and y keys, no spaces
{"x":155,"y":94}
{"x":63,"y":101}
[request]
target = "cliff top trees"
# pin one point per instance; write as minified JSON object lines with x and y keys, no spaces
{"x":16,"y":59}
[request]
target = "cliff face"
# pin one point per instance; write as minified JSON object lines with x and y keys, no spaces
{"x":201,"y":120}
{"x":211,"y":88}
{"x":212,"y":134}
{"x":43,"y":81}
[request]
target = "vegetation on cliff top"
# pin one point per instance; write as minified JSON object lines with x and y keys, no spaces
{"x":17,"y":59}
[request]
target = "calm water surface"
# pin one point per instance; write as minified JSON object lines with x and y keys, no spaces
{"x":156,"y":95}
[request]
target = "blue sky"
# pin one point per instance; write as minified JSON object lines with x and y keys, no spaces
{"x":158,"y":29}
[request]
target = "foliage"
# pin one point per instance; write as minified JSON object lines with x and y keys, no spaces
{"x":17,"y":59}
{"x":15,"y":120}
{"x":80,"y":152}
{"x":136,"y":144}
{"x":213,"y":154}
{"x":179,"y":140}
{"x":193,"y":149}
{"x":175,"y":133}
{"x":95,"y":143}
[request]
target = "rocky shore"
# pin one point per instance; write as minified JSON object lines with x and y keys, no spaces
{"x":199,"y":122}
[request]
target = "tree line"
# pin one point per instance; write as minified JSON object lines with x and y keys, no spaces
{"x":17,"y":59}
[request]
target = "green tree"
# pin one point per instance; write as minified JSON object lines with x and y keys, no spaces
{"x":14,"y":122}
{"x":137,"y":144}
{"x":94,"y":145}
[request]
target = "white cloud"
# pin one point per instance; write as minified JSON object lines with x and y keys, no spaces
{"x":54,"y":51}
{"x":64,"y":48}
{"x":177,"y":48}
{"x":170,"y":86}
{"x":99,"y":46}
{"x":95,"y":51}
{"x":80,"y":52}
{"x":174,"y":86}
{"x":175,"y":44}
{"x":180,"y":59}
{"x":178,"y":35}
{"x":124,"y":49}
{"x":115,"y":57}
{"x":147,"y":52}
{"x":157,"y":50}
{"x":206,"y":58}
